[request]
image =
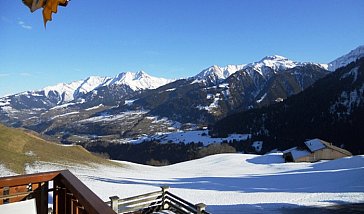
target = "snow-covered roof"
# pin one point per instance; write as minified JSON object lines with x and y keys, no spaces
{"x":296,"y":153}
{"x":289,"y":150}
{"x":315,"y":144}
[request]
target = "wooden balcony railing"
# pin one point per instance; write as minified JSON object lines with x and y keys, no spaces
{"x":68,"y":193}
{"x":154,"y":202}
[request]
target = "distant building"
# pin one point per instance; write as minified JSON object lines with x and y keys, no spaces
{"x":315,"y":150}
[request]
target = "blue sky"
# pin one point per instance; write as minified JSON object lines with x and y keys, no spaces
{"x":168,"y":38}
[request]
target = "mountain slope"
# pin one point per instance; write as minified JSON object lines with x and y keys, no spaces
{"x":191,"y":100}
{"x":137,"y":113}
{"x":331,"y":109}
{"x":19,"y":148}
{"x":215,"y":74}
{"x":133,"y":104}
{"x":342,"y":61}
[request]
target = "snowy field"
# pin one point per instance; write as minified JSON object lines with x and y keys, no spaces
{"x":233,"y":183}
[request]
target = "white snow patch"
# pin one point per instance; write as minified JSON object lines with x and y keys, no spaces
{"x":353,"y":73}
{"x":209,"y":96}
{"x":66,"y":114}
{"x":66,"y":105}
{"x":5,"y":171}
{"x":129,"y":102}
{"x":258,"y":145}
{"x":200,"y":107}
{"x":279,"y":99}
{"x":94,"y":107}
{"x":349,"y":100}
{"x":215,"y":103}
{"x":4,"y":102}
{"x":190,"y":137}
{"x":109,"y":118}
{"x":262,"y":98}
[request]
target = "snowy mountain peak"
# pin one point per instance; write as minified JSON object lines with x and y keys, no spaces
{"x":68,"y":92}
{"x":274,"y":57}
{"x":347,"y":59}
{"x":215,"y":72}
{"x":141,"y":74}
{"x":90,"y":84}
{"x":274,"y":62}
{"x":138,"y":81}
{"x":64,"y":92}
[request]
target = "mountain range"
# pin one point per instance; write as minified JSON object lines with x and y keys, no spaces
{"x":135,"y":104}
{"x":332,"y":109}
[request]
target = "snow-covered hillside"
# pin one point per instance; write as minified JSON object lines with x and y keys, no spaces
{"x":233,"y":183}
{"x":342,"y":61}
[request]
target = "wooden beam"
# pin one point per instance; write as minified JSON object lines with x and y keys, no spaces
{"x":91,"y":202}
{"x":27,"y":179}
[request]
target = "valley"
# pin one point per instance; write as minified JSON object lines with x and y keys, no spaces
{"x":140,"y":113}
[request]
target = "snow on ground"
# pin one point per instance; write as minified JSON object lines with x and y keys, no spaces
{"x":108,"y":118}
{"x":66,"y":105}
{"x":190,"y":137}
{"x":5,"y":172}
{"x":233,"y":183}
{"x":94,"y":107}
{"x":66,"y":114}
{"x":262,"y":98}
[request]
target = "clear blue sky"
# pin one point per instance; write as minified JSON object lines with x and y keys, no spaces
{"x":168,"y":38}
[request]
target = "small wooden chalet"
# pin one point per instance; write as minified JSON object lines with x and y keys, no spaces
{"x":315,"y":150}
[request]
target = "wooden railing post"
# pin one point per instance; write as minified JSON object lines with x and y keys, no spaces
{"x":115,"y":203}
{"x":200,"y":208}
{"x":42,"y":198}
{"x":59,"y":197}
{"x":164,"y":191}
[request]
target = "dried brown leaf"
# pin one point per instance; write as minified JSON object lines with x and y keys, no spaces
{"x":51,"y":7}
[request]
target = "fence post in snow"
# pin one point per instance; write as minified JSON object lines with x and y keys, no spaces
{"x":164,"y":191}
{"x":200,"y":208}
{"x":114,"y":203}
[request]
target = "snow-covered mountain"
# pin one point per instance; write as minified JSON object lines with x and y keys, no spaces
{"x":216,"y":73}
{"x":270,"y":65}
{"x":332,"y":109}
{"x":347,"y":58}
{"x":265,"y":67}
{"x":68,"y":92}
{"x":137,"y":81}
{"x":74,"y":90}
{"x":210,"y":95}
{"x":273,"y":63}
